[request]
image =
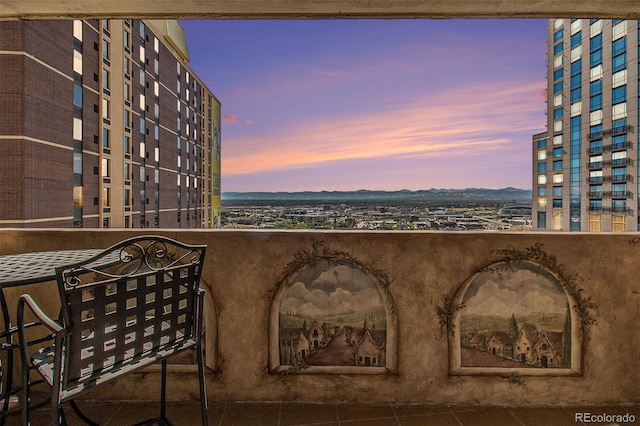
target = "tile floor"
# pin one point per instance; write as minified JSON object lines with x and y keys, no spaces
{"x":307,"y":414}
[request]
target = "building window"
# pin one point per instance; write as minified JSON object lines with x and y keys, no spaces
{"x":105,"y":50}
{"x":595,"y":223}
{"x":77,"y":30}
{"x":77,"y":129}
{"x":77,"y":95}
{"x":558,"y":178}
{"x":557,"y":221}
{"x":557,"y":113}
{"x":542,"y":220}
{"x":77,"y":62}
{"x":105,"y":137}
{"x":558,"y":48}
{"x":106,"y":197}
{"x":106,"y":109}
{"x":105,"y":79}
{"x":618,"y":223}
{"x":619,"y":62}
{"x":619,"y":111}
{"x":596,"y":58}
{"x":542,"y":167}
{"x":619,"y":94}
{"x":619,"y":78}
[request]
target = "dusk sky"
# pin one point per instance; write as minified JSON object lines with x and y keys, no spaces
{"x":374,"y":104}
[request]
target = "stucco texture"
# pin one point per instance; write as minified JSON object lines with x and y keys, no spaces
{"x":243,"y":268}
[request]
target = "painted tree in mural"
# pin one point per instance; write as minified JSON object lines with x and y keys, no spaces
{"x":513,"y":327}
{"x":566,"y":340}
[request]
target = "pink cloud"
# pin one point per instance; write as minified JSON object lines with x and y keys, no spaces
{"x":459,"y":123}
{"x":229,"y":118}
{"x":248,"y":122}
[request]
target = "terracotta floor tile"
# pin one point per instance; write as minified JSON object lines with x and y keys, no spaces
{"x":239,"y":414}
{"x":306,"y":414}
{"x":544,"y":416}
{"x":364,"y":411}
{"x":417,"y":410}
{"x":486,"y":416}
{"x":441,"y":419}
{"x":387,"y":421}
{"x":188,"y":413}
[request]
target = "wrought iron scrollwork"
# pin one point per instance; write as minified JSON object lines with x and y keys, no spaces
{"x":122,"y":261}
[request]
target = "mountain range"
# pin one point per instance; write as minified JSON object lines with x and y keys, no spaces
{"x":508,"y":194}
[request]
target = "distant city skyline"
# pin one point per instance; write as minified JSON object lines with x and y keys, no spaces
{"x":374,"y":104}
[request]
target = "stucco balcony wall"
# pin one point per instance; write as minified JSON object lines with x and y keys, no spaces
{"x":243,"y":268}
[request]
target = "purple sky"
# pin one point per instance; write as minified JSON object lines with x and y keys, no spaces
{"x":374,"y":104}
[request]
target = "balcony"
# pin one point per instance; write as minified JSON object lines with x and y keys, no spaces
{"x":618,"y":194}
{"x":619,"y":178}
{"x":621,"y":146}
{"x":244,"y":270}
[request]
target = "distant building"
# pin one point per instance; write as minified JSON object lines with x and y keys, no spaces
{"x":103,"y":124}
{"x":585,"y":166}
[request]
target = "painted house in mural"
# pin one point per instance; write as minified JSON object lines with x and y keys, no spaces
{"x":370,"y":348}
{"x":501,"y":343}
{"x":548,"y":349}
{"x":317,"y":336}
{"x":294,"y":346}
{"x":524,"y":343}
{"x":536,"y":348}
{"x":477,"y":341}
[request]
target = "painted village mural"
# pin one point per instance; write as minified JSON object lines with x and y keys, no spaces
{"x":333,"y":315}
{"x":333,"y":312}
{"x":515,"y":316}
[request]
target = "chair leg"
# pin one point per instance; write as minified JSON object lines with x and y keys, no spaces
{"x":163,"y":391}
{"x":203,"y":387}
{"x":25,"y":396}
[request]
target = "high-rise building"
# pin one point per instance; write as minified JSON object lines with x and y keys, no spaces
{"x":103,"y":124}
{"x":585,"y":167}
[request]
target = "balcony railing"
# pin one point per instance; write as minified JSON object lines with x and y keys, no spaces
{"x":619,"y":178}
{"x":423,"y":269}
{"x":618,"y":194}
{"x":611,"y":132}
{"x":610,"y":147}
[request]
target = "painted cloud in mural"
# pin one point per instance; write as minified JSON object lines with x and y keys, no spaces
{"x":514,"y":293}
{"x":338,"y":290}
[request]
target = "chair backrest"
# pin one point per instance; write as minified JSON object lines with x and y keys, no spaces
{"x":135,"y":301}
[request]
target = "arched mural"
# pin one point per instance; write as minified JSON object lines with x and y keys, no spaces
{"x":520,"y":314}
{"x":332,"y":314}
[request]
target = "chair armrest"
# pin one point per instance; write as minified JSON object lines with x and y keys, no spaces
{"x":38,"y":312}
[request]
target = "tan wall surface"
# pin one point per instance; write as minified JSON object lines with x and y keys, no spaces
{"x":243,"y":267}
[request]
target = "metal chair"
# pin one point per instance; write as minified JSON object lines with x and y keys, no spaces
{"x":133,"y":304}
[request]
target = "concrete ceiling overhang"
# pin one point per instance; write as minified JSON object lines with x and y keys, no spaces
{"x":318,"y":9}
